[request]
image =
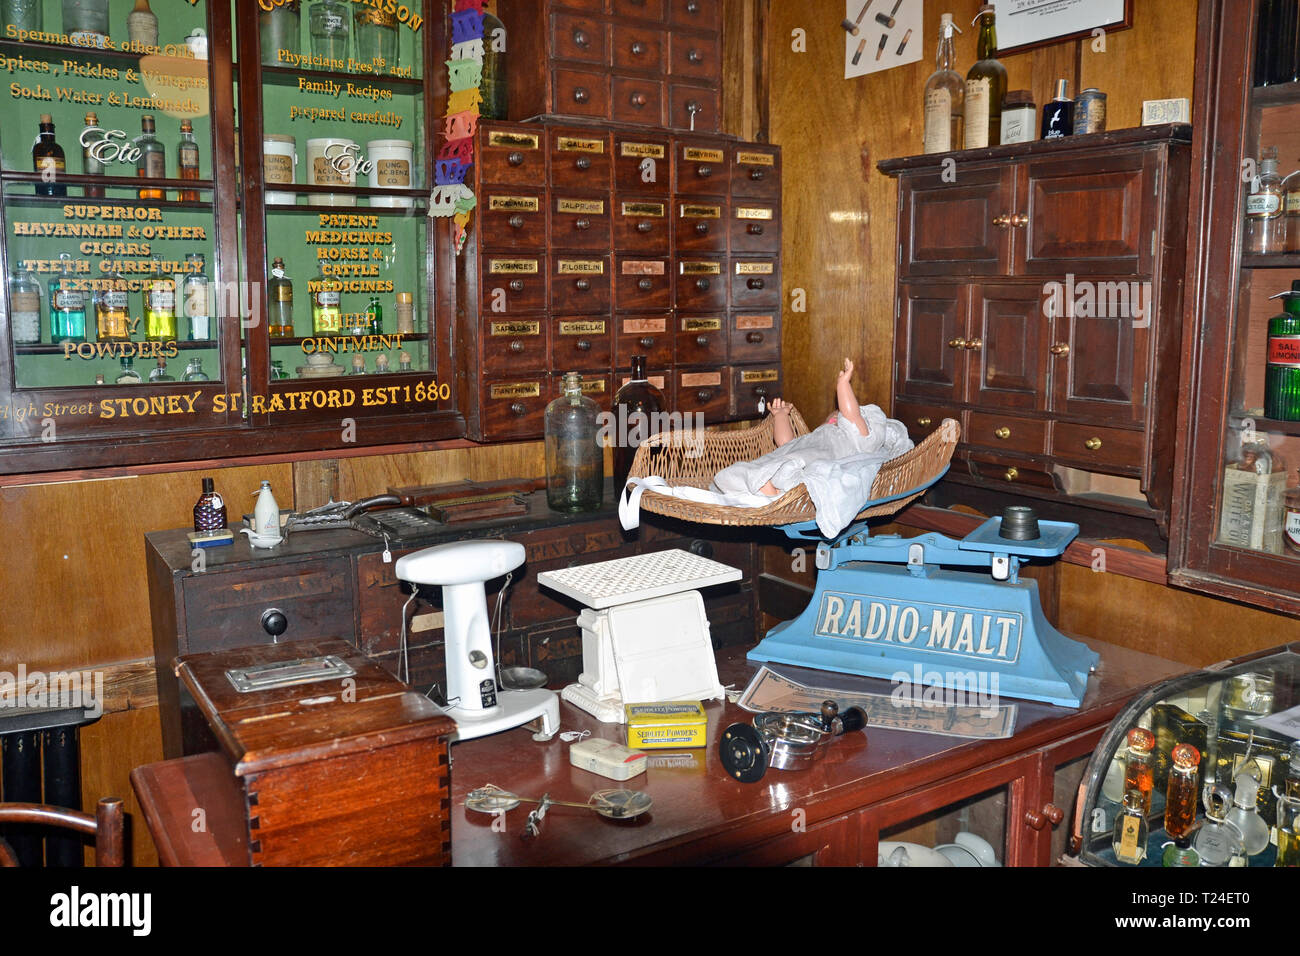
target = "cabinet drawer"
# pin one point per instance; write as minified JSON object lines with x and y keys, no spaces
{"x":637,"y":99}
{"x":753,"y":388}
{"x":755,"y":171}
{"x":511,"y":345}
{"x":660,"y":378}
{"x":513,"y":284}
{"x":580,"y":159}
{"x":700,"y":226}
{"x":1011,"y":472}
{"x":580,"y":221}
{"x":695,"y":13}
{"x":511,"y":155}
{"x":701,"y":285}
{"x":701,"y":169}
{"x":1009,"y":432}
{"x":641,"y":225}
{"x":225,"y":610}
{"x":702,"y":339}
{"x":922,"y":419}
{"x":755,"y":283}
{"x":694,"y":56}
{"x":582,"y":93}
{"x":584,"y":341}
{"x":551,"y":549}
{"x":648,"y":335}
{"x":513,"y":219}
{"x":1103,"y":447}
{"x":642,"y":164}
{"x":513,"y":408}
{"x":595,"y":385}
{"x":583,"y":6}
{"x":704,"y":392}
{"x":639,"y":49}
{"x":694,"y":108}
{"x":755,"y":337}
{"x":643,"y":285}
{"x":640,"y":9}
{"x":580,"y":284}
{"x":578,"y":38}
{"x":755,"y":228}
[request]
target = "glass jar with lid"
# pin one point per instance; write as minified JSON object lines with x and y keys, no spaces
{"x":377,"y":39}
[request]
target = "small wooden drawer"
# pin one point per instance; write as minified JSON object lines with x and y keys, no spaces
{"x":1103,"y":447}
{"x":922,"y":419}
{"x":513,"y":219}
{"x":642,"y":164}
{"x":580,"y":159}
{"x":1002,"y":431}
{"x":597,"y":385}
{"x":704,"y":14}
{"x":582,"y":93}
{"x":639,"y":49}
{"x":513,"y":284}
{"x":582,"y":341}
{"x":701,"y":284}
{"x":579,"y":38}
{"x":580,"y":221}
{"x":701,"y":169}
{"x":511,"y":154}
{"x":752,"y":389}
{"x":655,"y":10}
{"x":583,"y":6}
{"x":700,"y":225}
{"x":641,"y":224}
{"x":579,"y":283}
{"x":694,"y":108}
{"x":755,"y":283}
{"x":755,"y":336}
{"x":642,"y":285}
{"x":637,"y":99}
{"x":648,"y":335}
{"x":707,"y":392}
{"x":514,"y":407}
{"x":702,"y":339}
{"x":694,"y":56}
{"x":755,"y":227}
{"x":755,"y":171}
{"x":512,"y":345}
{"x":660,"y":378}
{"x":1010,"y":471}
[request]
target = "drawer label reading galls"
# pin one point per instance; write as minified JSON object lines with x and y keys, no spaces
{"x":572,"y":144}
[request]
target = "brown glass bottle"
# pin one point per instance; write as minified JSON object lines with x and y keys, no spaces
{"x":48,"y":160}
{"x":280,"y":293}
{"x":152,"y":163}
{"x":637,"y":408}
{"x":187,"y":160}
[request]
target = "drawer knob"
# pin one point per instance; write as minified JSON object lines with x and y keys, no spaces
{"x":1011,"y":474}
{"x":646,"y":342}
{"x":1004,"y":432}
{"x":644,"y":226}
{"x":760,"y":390}
{"x":1049,"y":814}
{"x":639,"y":100}
{"x":1002,"y":221}
{"x":702,"y":228}
{"x":580,"y":37}
{"x":515,"y":159}
{"x":755,"y":283}
{"x":638,"y":48}
{"x":701,"y":340}
{"x":582,"y":285}
{"x":956,"y":343}
{"x":702,"y":284}
{"x":975,"y":344}
{"x":924,"y":421}
{"x":693,"y":7}
{"x":694,"y":56}
{"x":583,"y":162}
{"x":516,"y":346}
{"x":755,"y":229}
{"x":516,"y":285}
{"x":645,"y":285}
{"x":703,"y":395}
{"x":580,"y":95}
{"x":701,"y":547}
{"x":274,"y":622}
{"x":704,"y":172}
{"x":583,"y":345}
{"x":1060,"y":348}
{"x":516,"y":221}
{"x":582,"y":224}
{"x":754,"y":337}
{"x":1092,"y":444}
{"x":1019,"y":220}
{"x":518,"y":408}
{"x":756,"y":174}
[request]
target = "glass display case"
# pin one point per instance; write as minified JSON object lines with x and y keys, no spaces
{"x":1201,"y":770}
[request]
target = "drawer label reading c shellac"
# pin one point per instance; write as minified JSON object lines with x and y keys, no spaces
{"x":592,"y":327}
{"x":516,"y":140}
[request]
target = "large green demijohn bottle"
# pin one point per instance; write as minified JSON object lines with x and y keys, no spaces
{"x":1282,"y":377}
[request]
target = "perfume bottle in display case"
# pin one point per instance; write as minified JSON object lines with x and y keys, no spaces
{"x":1288,"y":830}
{"x":1218,"y":842}
{"x":1139,"y":771}
{"x":1181,"y":792}
{"x":1129,"y":837}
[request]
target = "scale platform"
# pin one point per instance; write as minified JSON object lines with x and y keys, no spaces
{"x":645,"y":636}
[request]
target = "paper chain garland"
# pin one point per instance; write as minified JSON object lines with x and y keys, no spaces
{"x":451,"y":197}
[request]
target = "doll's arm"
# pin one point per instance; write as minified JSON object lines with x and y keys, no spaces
{"x":782,"y":430}
{"x":847,"y":401}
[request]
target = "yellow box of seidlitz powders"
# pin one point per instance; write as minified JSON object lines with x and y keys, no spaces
{"x":679,"y":723}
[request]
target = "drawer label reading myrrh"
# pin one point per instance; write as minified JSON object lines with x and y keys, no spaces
{"x":642,"y":150}
{"x":585,"y":327}
{"x":574,"y":144}
{"x":696,"y":155}
{"x":766,"y":375}
{"x":516,"y":328}
{"x":498,"y":267}
{"x":976,"y":634}
{"x":701,"y":325}
{"x":516,"y":390}
{"x":515,"y":140}
{"x":643,"y":209}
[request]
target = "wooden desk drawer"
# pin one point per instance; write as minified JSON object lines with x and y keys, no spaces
{"x":755,"y":336}
{"x":1002,"y":431}
{"x":706,"y":392}
{"x":580,"y":221}
{"x":513,"y":408}
{"x":754,"y":386}
{"x":641,"y":225}
{"x":694,"y":56}
{"x":579,"y":38}
{"x":642,"y":164}
{"x":695,"y":108}
{"x":755,"y":171}
{"x":514,"y":219}
{"x":700,"y":226}
{"x":580,"y":284}
{"x":701,"y":169}
{"x":704,"y":14}
{"x":922,"y":419}
{"x":596,"y":385}
{"x":640,"y":9}
{"x":755,"y":227}
{"x":702,"y":339}
{"x":1105,"y":447}
{"x":511,"y":345}
{"x":648,"y":335}
{"x":701,"y":285}
{"x":642,"y":285}
{"x":583,"y":6}
{"x":581,"y":92}
{"x":225,"y":610}
{"x":637,"y":99}
{"x":755,"y":283}
{"x":511,"y":154}
{"x":513,"y":284}
{"x":580,"y":159}
{"x":1010,"y":472}
{"x":639,"y":49}
{"x":582,"y":342}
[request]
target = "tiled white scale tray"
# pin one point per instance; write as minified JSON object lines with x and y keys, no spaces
{"x":638,"y":578}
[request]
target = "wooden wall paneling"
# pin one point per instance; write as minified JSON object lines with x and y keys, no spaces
{"x":362,"y":477}
{"x":1153,"y":60}
{"x":110,"y":750}
{"x":314,"y":483}
{"x":744,"y":69}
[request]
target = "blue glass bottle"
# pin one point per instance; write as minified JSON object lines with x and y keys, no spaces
{"x":67,"y":306}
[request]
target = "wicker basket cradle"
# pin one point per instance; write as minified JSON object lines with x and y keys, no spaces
{"x":693,"y":458}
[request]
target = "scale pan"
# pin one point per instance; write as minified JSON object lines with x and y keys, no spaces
{"x":620,"y":804}
{"x":491,"y":800}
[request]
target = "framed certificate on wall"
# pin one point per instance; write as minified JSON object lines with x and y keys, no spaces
{"x":1024,"y":24}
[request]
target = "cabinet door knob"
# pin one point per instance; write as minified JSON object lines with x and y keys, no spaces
{"x":755,"y":283}
{"x":582,"y":345}
{"x":1002,"y":221}
{"x":1092,"y":444}
{"x":644,"y":226}
{"x":515,"y":159}
{"x":1060,"y":348}
{"x":582,"y":285}
{"x":975,"y":344}
{"x":755,"y":229}
{"x":694,"y":56}
{"x":583,"y":162}
{"x":760,"y":390}
{"x":924,"y":421}
{"x":638,"y":100}
{"x":275,"y":622}
{"x":638,"y":48}
{"x":1049,"y":814}
{"x":704,"y":172}
{"x":581,"y":39}
{"x":516,"y":221}
{"x":755,"y":174}
{"x":580,"y":95}
{"x":1004,"y":433}
{"x":582,"y":223}
{"x":702,"y":228}
{"x":1019,"y":220}
{"x":754,"y":337}
{"x":516,"y":285}
{"x":703,"y":395}
{"x":702,"y":284}
{"x":1011,"y":474}
{"x":518,"y":408}
{"x":702,"y":340}
{"x":956,"y":343}
{"x":516,"y":346}
{"x":693,"y":7}
{"x":645,"y":285}
{"x":646,"y":342}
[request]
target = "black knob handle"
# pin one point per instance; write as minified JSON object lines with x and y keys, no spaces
{"x":755,"y":229}
{"x":701,"y":340}
{"x":703,"y":395}
{"x":754,"y":337}
{"x":701,"y":547}
{"x":760,"y":390}
{"x":516,"y":221}
{"x":638,"y":48}
{"x":702,"y":284}
{"x":580,"y":37}
{"x":583,"y":162}
{"x":755,"y":283}
{"x":830,"y":710}
{"x":582,"y":224}
{"x":582,"y":285}
{"x":516,"y":285}
{"x":583,"y":345}
{"x":274,"y":621}
{"x":704,"y":172}
{"x":644,"y":226}
{"x":755,"y":174}
{"x":638,"y":100}
{"x":645,"y":285}
{"x":518,"y":408}
{"x":855,"y":718}
{"x":692,"y":7}
{"x":515,"y":159}
{"x":646,"y":342}
{"x":516,"y":346}
{"x":694,"y":56}
{"x":580,"y":95}
{"x":702,"y":228}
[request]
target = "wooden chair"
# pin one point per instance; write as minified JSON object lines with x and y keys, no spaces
{"x":107,"y":826}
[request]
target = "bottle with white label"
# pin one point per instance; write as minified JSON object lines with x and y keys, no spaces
{"x":986,"y":85}
{"x":160,"y":306}
{"x":194,"y":292}
{"x":24,"y":307}
{"x":945,"y":94}
{"x":112,"y":310}
{"x":67,"y":305}
{"x":326,"y":316}
{"x":1265,"y":224}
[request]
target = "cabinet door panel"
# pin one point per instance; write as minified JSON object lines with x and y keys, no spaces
{"x":932,"y":323}
{"x":949,"y":228}
{"x":1099,"y":364}
{"x":1006,"y":347}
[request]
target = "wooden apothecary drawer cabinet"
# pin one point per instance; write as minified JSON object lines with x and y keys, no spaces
{"x":1039,"y":298}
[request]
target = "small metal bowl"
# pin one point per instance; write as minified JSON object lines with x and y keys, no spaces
{"x":522,"y":678}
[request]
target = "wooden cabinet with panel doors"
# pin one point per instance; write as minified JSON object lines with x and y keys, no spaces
{"x":1038,"y":302}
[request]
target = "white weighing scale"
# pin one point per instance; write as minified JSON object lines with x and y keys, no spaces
{"x":645,"y":636}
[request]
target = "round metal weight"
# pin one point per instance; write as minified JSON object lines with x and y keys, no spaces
{"x":744,"y":752}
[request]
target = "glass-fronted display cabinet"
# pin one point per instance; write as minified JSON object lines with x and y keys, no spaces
{"x":1201,"y":770}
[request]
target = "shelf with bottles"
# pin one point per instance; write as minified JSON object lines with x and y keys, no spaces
{"x":293,"y":77}
{"x":338,"y":38}
{"x":117,"y":32}
{"x":395,"y":202}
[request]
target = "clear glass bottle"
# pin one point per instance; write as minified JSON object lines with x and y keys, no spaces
{"x":128,"y":375}
{"x":86,"y":22}
{"x":152,"y":163}
{"x":328,"y":22}
{"x":159,"y":372}
{"x":1139,"y":772}
{"x":376,"y":30}
{"x":1265,"y":225}
{"x":159,"y":305}
{"x":194,"y":371}
{"x":280,"y":293}
{"x":636,"y":407}
{"x":194,"y":293}
{"x":945,"y":93}
{"x":1287,"y":829}
{"x":356,"y":323}
{"x":1129,"y":836}
{"x":494,"y":85}
{"x":112,"y":310}
{"x":986,"y":84}
{"x":67,"y":305}
{"x":142,"y":27}
{"x":187,"y":160}
{"x":575,"y":464}
{"x":1217,"y":841}
{"x":279,"y":29}
{"x":1291,"y":212}
{"x":1182,"y":791}
{"x":48,"y":160}
{"x":23,"y":14}
{"x":24,"y":307}
{"x":326,"y":315}
{"x":1244,"y":814}
{"x":91,"y":135}
{"x":358,"y":365}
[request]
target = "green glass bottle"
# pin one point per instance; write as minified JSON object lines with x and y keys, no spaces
{"x":1282,"y":376}
{"x":986,"y":85}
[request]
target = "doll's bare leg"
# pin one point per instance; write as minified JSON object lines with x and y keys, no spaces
{"x":782,"y":430}
{"x":847,"y":401}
